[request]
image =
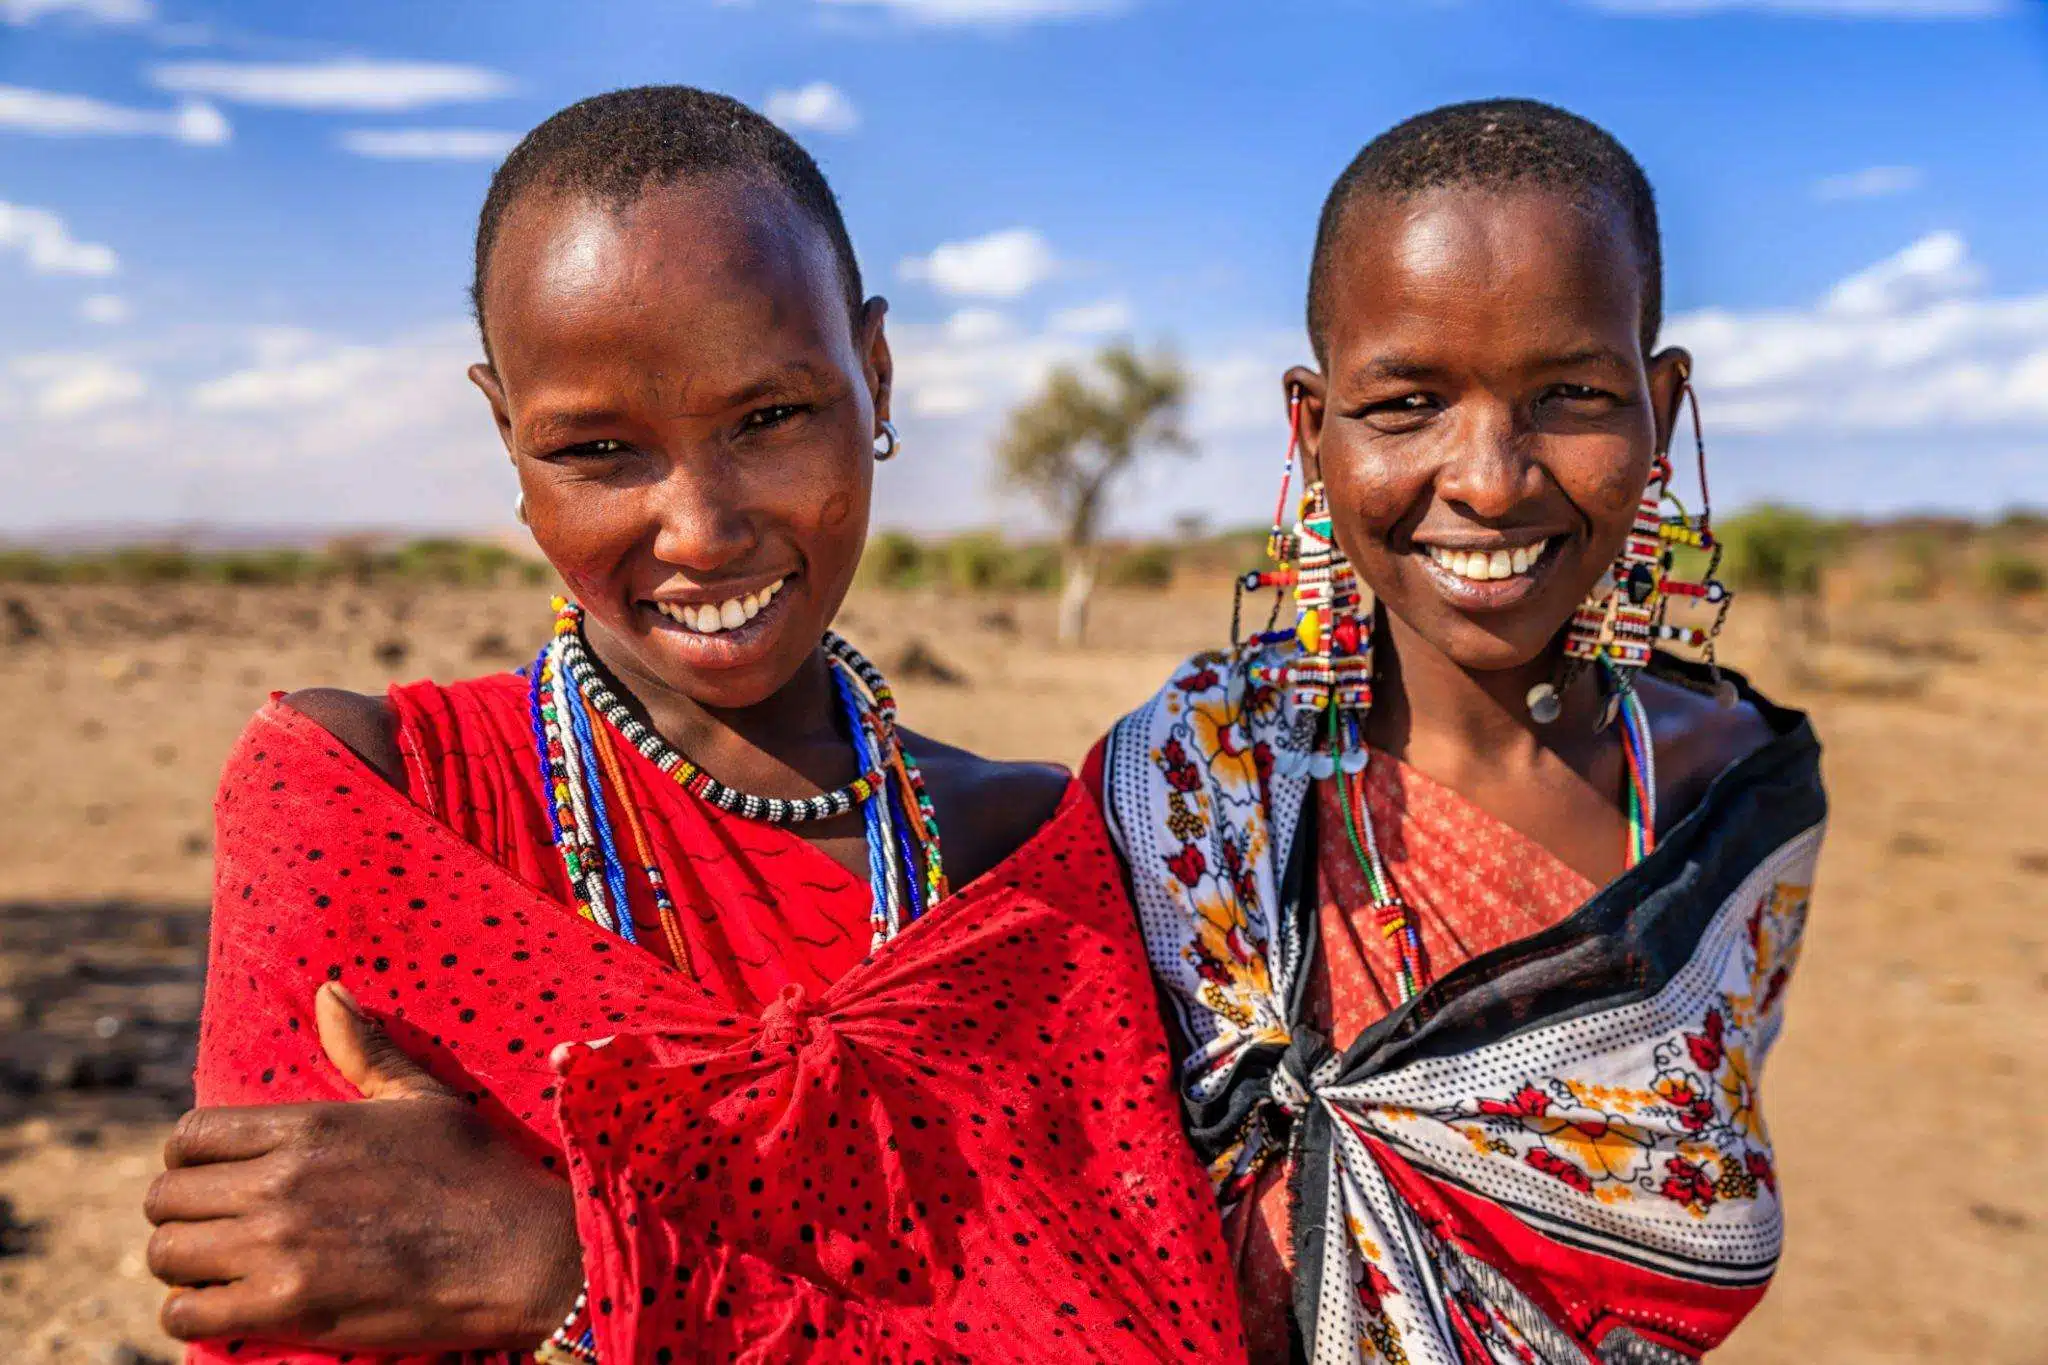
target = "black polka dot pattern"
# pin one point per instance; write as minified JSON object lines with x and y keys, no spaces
{"x":966,"y":1147}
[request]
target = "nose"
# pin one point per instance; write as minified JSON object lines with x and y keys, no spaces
{"x":1491,"y":467}
{"x":701,"y":515}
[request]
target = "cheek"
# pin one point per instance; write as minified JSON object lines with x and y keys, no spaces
{"x":1604,"y":477}
{"x":1369,"y":495}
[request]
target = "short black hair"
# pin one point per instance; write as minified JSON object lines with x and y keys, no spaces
{"x":1494,"y":145}
{"x":614,"y":147}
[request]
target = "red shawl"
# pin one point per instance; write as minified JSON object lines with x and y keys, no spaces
{"x":965,"y":1147}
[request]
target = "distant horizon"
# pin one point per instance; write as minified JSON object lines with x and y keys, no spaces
{"x":227,"y":537}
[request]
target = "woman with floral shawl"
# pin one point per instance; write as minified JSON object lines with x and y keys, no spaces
{"x":1474,"y":917}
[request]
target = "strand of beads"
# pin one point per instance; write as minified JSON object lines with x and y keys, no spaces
{"x":579,"y":758}
{"x":1393,"y":915}
{"x":576,"y":662}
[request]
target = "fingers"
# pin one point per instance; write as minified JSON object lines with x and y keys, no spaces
{"x":365,"y":1054}
{"x":193,"y":1194}
{"x":207,"y":1135}
{"x":202,"y":1253}
{"x":241,"y":1309}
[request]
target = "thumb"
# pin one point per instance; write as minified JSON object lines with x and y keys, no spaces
{"x":365,"y":1054}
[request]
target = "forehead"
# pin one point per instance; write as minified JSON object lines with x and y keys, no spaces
{"x":714,"y":258}
{"x":1483,"y":270}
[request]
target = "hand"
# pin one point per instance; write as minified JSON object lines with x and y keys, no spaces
{"x":404,"y":1222}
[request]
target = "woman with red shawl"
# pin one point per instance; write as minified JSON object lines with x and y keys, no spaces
{"x":806,"y":1099}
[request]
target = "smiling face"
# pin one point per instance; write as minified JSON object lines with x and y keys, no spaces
{"x":1488,"y":420}
{"x":692,"y":415}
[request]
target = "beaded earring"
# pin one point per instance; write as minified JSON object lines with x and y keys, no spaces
{"x":1329,"y":678}
{"x":1622,"y":620}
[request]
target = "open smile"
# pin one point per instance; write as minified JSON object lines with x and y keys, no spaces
{"x":1491,"y":577}
{"x":726,"y":633}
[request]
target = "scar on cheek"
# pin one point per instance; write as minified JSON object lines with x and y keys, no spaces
{"x":577,"y":583}
{"x":837,"y":509}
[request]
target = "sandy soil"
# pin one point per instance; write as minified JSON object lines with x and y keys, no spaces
{"x":1904,"y":1098}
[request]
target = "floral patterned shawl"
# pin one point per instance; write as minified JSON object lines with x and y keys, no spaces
{"x":1554,"y":1152}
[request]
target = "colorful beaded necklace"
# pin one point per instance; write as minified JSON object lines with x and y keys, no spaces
{"x":1390,"y":912}
{"x":579,"y":757}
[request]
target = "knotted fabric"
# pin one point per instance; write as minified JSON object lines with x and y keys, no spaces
{"x":966,"y":1147}
{"x":1555,"y":1151}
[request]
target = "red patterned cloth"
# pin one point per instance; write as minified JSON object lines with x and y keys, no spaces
{"x":966,"y":1146}
{"x":1472,"y":883}
{"x":760,"y":909}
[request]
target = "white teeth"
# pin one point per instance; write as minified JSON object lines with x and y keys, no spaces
{"x":731,"y":614}
{"x":1482,"y":566}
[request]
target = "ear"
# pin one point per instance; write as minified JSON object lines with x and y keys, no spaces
{"x":879,"y":365}
{"x":1309,"y":384}
{"x":1670,"y":373}
{"x":486,"y":379}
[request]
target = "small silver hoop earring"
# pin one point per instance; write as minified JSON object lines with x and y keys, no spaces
{"x":519,"y":509}
{"x":888,"y":443}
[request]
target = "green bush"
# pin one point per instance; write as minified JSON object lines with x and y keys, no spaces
{"x":977,"y":562}
{"x":1779,"y":551}
{"x":2007,"y":572}
{"x":895,"y":559}
{"x":1141,"y":566}
{"x":456,"y":563}
{"x":151,"y":564}
{"x":1917,"y":571}
{"x":265,"y":567}
{"x":1035,"y":568}
{"x":29,"y":566}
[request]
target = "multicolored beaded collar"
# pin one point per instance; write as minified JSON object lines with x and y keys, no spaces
{"x":575,"y":712}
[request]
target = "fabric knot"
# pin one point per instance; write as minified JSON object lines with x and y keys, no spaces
{"x":1306,"y":1067}
{"x":786,"y":1022}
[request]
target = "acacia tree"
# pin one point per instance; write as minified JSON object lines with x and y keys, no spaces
{"x":1066,"y":446}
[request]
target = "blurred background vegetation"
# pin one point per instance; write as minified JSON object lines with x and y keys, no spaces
{"x":1771,"y":551}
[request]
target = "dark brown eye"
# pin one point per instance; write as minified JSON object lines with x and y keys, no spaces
{"x":599,"y":449}
{"x":763,"y":418}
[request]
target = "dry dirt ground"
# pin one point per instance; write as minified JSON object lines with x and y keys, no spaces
{"x":1905,"y":1098}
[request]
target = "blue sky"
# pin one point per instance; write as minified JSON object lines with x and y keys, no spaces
{"x":234,"y":237}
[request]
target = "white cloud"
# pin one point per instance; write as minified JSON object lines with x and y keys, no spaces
{"x":429,"y":144}
{"x":349,"y":83}
{"x":106,"y":310}
{"x":54,"y":114}
{"x":986,"y":12}
{"x":819,"y":107}
{"x":1093,"y":319}
{"x":89,"y":11}
{"x":65,"y":385}
{"x":1002,"y":265}
{"x":1935,"y":268}
{"x":50,"y":249}
{"x":253,"y":425}
{"x":1875,"y":182}
{"x":1826,"y":9}
{"x":1909,"y":344}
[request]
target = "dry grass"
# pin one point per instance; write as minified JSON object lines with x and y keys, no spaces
{"x":1904,"y":1097}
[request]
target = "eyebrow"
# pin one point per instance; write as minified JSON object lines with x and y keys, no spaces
{"x":1420,"y":371}
{"x":1397,"y":367}
{"x":1591,"y":355}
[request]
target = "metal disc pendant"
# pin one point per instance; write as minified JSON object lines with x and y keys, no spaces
{"x":1545,"y":705}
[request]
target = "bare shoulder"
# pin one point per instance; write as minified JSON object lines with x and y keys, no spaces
{"x":367,"y":725}
{"x":987,"y":808}
{"x":1697,"y":740}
